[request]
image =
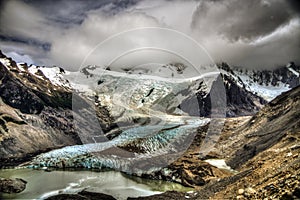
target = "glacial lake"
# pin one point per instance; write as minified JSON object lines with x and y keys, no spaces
{"x":42,"y":184}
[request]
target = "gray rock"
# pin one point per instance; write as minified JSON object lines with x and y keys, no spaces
{"x":12,"y":185}
{"x":84,"y":195}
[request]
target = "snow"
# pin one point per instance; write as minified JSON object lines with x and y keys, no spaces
{"x":88,"y":85}
{"x":268,"y":92}
{"x":33,"y":69}
{"x":55,"y":76}
{"x":5,"y":62}
{"x":127,"y":95}
{"x":21,"y":68}
{"x":102,"y":72}
{"x":52,"y":74}
{"x":219,"y":163}
{"x":293,"y":71}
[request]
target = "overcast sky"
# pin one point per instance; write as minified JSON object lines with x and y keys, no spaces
{"x":249,"y":33}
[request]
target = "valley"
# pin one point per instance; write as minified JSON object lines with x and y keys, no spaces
{"x":223,"y":134}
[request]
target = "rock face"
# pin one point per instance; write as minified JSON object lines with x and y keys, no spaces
{"x":35,"y":115}
{"x":236,"y":100}
{"x":226,"y":93}
{"x":240,"y":102}
{"x":248,"y":90}
{"x":287,"y":74}
{"x":264,"y":83}
{"x":12,"y":185}
{"x":28,"y":93}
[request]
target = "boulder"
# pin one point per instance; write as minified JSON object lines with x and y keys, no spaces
{"x":12,"y":185}
{"x":83,"y":195}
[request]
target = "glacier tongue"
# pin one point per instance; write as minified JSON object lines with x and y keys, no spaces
{"x":158,"y":140}
{"x":155,"y":147}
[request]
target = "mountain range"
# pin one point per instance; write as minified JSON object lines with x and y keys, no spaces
{"x":48,"y":108}
{"x":39,"y":99}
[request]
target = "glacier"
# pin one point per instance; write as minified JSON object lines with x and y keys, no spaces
{"x":143,"y":145}
{"x":158,"y":142}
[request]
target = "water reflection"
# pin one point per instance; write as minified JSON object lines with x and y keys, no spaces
{"x":43,"y":184}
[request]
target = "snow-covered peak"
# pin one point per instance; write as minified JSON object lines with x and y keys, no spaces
{"x":6,"y":62}
{"x":54,"y":74}
{"x":264,"y":83}
{"x":172,"y":78}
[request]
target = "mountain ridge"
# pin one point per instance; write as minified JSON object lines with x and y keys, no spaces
{"x":46,"y":94}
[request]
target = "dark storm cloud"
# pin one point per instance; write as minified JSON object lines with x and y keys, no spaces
{"x":46,"y":46}
{"x":34,"y":24}
{"x":242,"y":19}
{"x":255,"y":34}
{"x":75,"y":11}
{"x":66,"y":12}
{"x":250,"y":33}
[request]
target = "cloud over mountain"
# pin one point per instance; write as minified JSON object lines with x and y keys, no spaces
{"x":254,"y":34}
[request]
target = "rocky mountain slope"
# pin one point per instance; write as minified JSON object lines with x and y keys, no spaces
{"x":196,"y":96}
{"x":35,"y":115}
{"x":246,"y":91}
{"x":277,"y":120}
{"x":38,"y":108}
{"x":267,"y":84}
{"x":264,"y":150}
{"x":269,"y":145}
{"x":35,"y":97}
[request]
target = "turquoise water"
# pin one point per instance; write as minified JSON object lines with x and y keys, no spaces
{"x":43,"y":184}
